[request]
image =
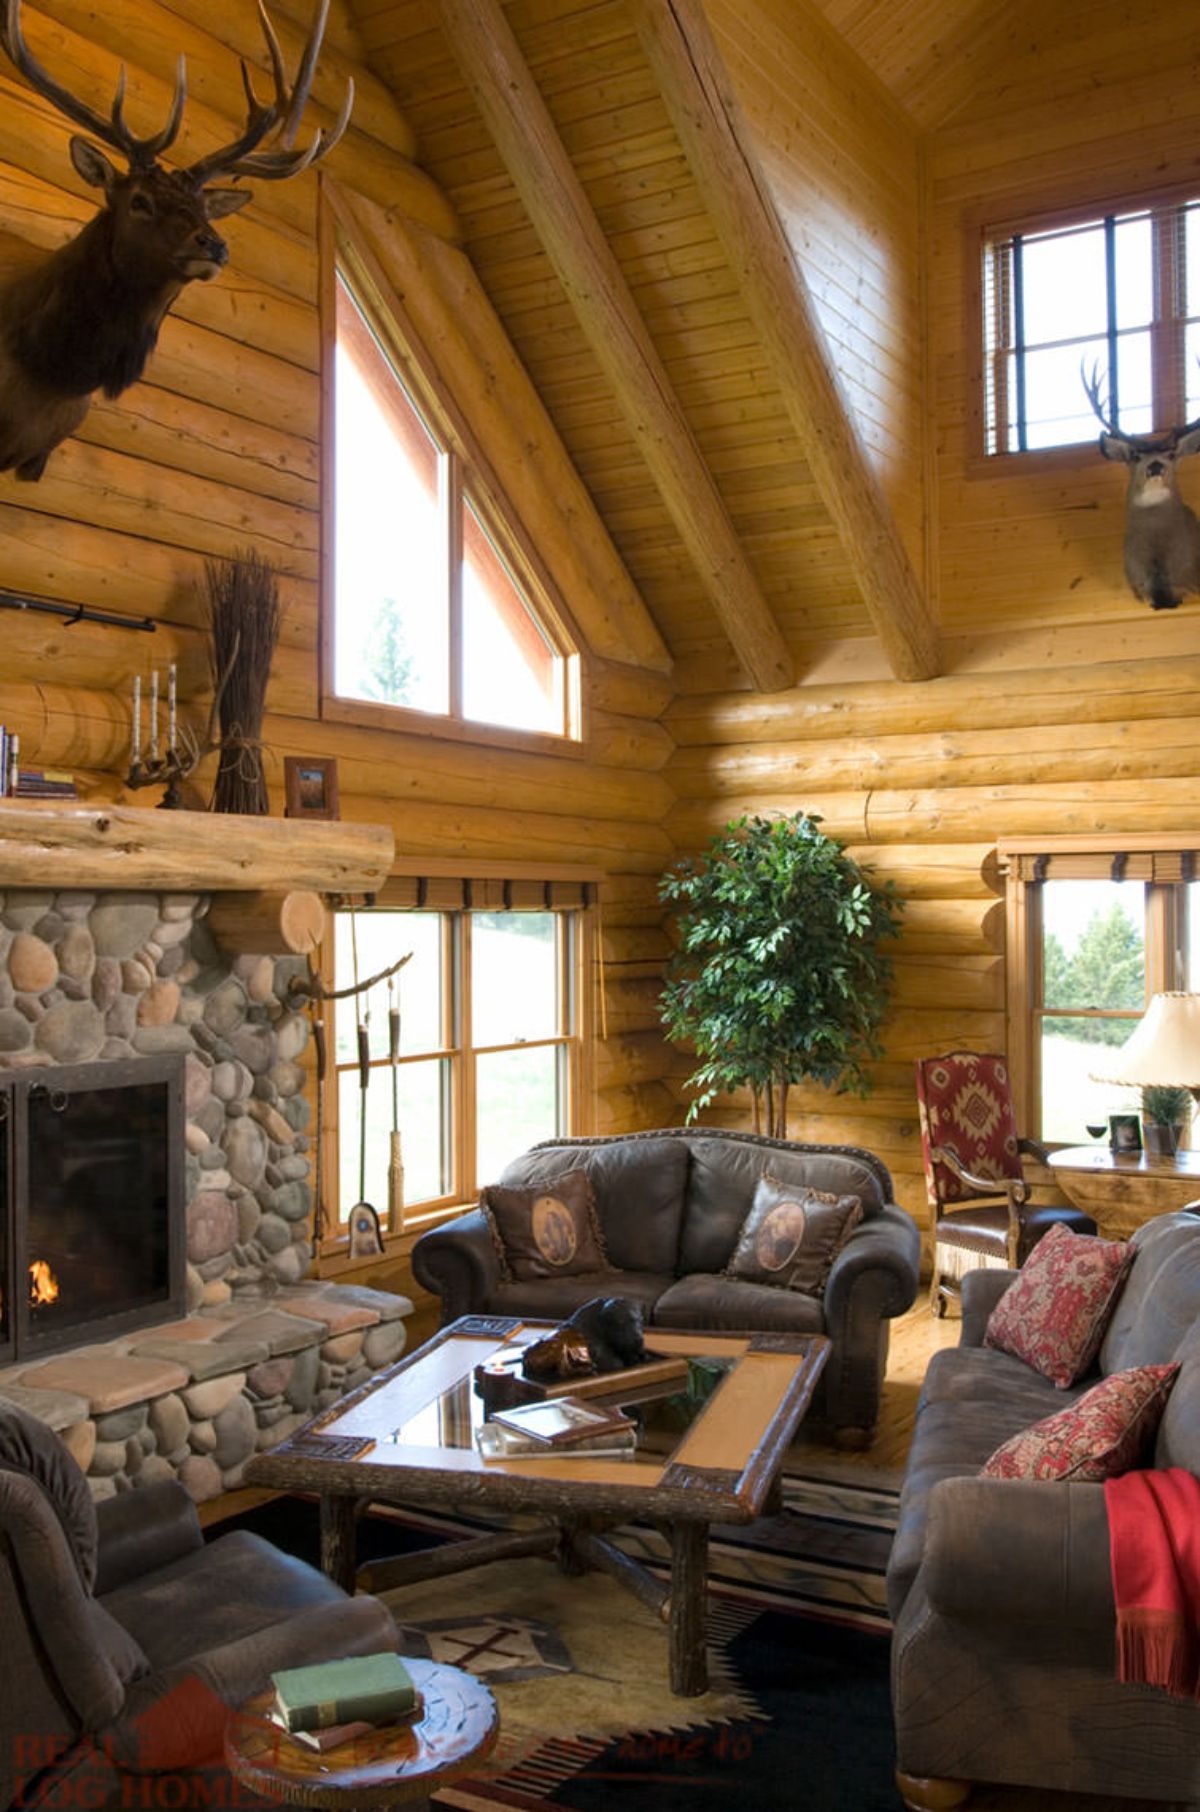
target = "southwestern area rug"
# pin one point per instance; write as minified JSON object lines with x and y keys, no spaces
{"x":797,"y":1713}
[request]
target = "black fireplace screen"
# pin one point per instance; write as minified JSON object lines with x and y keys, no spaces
{"x":92,"y":1240}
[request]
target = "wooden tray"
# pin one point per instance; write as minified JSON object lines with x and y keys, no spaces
{"x":504,"y":1387}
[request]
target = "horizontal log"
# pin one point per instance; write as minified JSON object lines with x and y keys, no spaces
{"x":464,"y":830}
{"x":624,"y":944}
{"x":631,"y":900}
{"x":627,"y":742}
{"x":1025,"y":697}
{"x":631,"y":1006}
{"x":945,"y":927}
{"x":629,"y":691}
{"x":958,"y":813}
{"x":948,"y":981}
{"x":932,"y":871}
{"x":1127,"y":748}
{"x":632,"y":1057}
{"x":51,"y":845}
{"x":635,"y":1108}
{"x":268,"y":924}
{"x":187,"y":436}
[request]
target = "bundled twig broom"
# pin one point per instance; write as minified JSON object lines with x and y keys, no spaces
{"x":243,"y":621}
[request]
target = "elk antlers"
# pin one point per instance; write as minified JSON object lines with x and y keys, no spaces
{"x":241,"y":156}
{"x":140,"y":152}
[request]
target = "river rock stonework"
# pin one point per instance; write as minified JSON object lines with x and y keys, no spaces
{"x":87,"y":977}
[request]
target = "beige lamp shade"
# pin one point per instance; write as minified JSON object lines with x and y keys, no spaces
{"x":1164,"y":1052}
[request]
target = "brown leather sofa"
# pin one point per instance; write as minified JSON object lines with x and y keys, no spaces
{"x":670,"y":1205}
{"x":1004,"y":1652}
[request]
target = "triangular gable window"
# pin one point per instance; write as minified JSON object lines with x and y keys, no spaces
{"x":437,"y":607}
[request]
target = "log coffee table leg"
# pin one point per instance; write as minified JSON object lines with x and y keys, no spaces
{"x":689,"y":1605}
{"x":338,"y":1540}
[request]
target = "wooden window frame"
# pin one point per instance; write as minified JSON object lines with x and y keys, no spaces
{"x":470,"y":481}
{"x":576,"y":955}
{"x":1162,"y":863}
{"x":1031,"y":212}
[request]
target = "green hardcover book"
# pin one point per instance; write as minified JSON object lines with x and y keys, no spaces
{"x":371,"y":1688}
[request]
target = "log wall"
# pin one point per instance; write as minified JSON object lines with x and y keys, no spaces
{"x":219,"y":448}
{"x":1065,"y":706}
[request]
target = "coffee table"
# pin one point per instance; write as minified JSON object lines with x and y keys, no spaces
{"x":713,"y":1460}
{"x":395,"y":1765}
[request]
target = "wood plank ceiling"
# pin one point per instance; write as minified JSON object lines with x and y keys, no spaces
{"x":605,"y":104}
{"x":604,"y":101}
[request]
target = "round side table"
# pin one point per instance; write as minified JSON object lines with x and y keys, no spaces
{"x":395,"y":1765}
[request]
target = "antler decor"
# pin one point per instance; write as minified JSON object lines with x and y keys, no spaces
{"x":88,"y":317}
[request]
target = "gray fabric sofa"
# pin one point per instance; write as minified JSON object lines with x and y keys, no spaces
{"x":1004,"y":1649}
{"x":670,"y":1206}
{"x":126,"y":1637}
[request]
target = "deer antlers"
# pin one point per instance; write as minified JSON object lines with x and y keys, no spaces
{"x":240,"y":157}
{"x":1165,"y":439}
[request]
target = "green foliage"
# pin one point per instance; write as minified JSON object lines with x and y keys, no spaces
{"x":778,"y":978}
{"x":1163,"y":1105}
{"x":389,"y":667}
{"x":1108,"y":969}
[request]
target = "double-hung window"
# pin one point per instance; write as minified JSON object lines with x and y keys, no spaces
{"x":1114,"y":294}
{"x":489,"y":1048}
{"x":1093,"y":933}
{"x":436,"y":602}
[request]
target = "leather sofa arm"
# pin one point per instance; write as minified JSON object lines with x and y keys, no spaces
{"x":887,"y":1248}
{"x":143,"y":1530}
{"x":981,"y":1291}
{"x":459,"y":1263}
{"x":1018,"y":1551}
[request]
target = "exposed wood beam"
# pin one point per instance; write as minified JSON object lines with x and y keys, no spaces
{"x":555,"y":200}
{"x":700,"y":100}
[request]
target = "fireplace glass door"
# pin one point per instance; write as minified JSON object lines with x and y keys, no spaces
{"x":97,"y":1211}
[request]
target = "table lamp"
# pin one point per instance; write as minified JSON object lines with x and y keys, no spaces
{"x":1164,"y":1052}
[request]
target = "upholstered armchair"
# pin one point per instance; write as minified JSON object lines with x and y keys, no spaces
{"x":980,"y":1198}
{"x":126,"y":1637}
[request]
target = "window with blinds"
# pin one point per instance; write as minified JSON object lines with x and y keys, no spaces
{"x":1117,"y":293}
{"x":488,"y":1049}
{"x":1092,"y":933}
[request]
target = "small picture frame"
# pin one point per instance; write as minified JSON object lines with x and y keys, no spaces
{"x":1124,"y":1134}
{"x":311,"y":786}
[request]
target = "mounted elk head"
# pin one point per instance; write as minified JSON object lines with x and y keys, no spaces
{"x":1162,"y":535}
{"x":87,"y":317}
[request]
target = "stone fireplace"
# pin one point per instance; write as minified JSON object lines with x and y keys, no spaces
{"x":128,"y":981}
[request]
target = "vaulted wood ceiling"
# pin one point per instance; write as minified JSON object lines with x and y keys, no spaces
{"x":842,"y":92}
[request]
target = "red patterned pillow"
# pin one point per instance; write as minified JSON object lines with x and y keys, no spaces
{"x":1104,"y":1434}
{"x":1054,"y":1315}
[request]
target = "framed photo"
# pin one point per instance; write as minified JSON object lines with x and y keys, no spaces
{"x":1124,"y":1133}
{"x":311,"y":786}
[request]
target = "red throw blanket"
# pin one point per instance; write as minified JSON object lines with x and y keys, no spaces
{"x":1154,"y":1536}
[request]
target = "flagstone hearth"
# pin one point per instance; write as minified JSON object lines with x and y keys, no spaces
{"x":196,"y":1399}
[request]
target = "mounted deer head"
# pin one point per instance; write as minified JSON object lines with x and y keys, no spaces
{"x":1162,"y":535}
{"x":87,"y":317}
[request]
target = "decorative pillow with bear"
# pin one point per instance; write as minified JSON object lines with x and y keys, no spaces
{"x":791,"y":1236}
{"x":1102,"y":1435}
{"x":1054,"y":1315}
{"x":549,"y":1231}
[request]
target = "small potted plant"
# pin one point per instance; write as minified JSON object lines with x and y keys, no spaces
{"x":1166,"y":1112}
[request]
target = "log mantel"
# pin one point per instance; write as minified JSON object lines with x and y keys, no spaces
{"x":123,"y":846}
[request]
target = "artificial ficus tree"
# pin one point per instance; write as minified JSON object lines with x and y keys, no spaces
{"x":779,"y":977}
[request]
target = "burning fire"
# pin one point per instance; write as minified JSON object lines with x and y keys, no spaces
{"x":43,"y":1285}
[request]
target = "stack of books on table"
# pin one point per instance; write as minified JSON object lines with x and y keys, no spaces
{"x":334,"y":1701}
{"x":561,"y":1428}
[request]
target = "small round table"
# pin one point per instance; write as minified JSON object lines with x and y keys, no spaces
{"x":1123,"y":1189}
{"x":395,"y":1765}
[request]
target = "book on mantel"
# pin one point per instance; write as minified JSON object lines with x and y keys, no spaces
{"x":377,"y":1689}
